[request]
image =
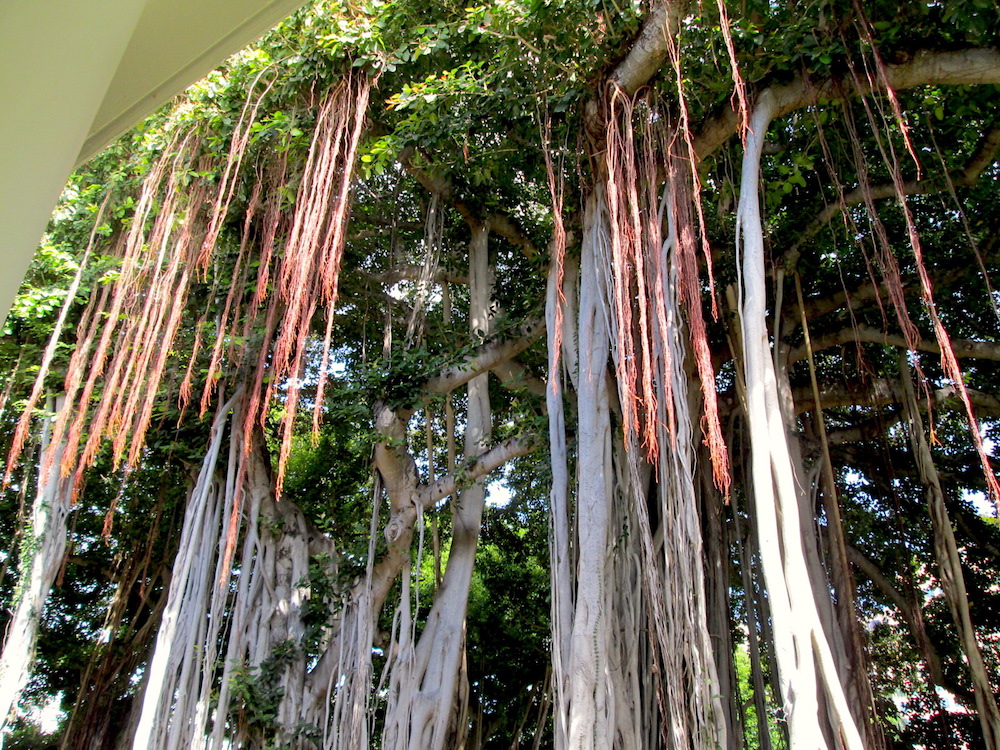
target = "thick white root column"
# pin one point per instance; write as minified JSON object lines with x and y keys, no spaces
{"x":800,"y":642}
{"x":175,"y":701}
{"x":560,"y":526}
{"x":690,"y":676}
{"x":589,"y":721}
{"x":47,"y":545}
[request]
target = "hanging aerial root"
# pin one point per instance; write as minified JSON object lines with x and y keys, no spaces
{"x":689,"y":155}
{"x":739,"y":98}
{"x":690,"y":294}
{"x":24,"y":423}
{"x":639,"y":141}
{"x":127,"y":335}
{"x":310,"y":270}
{"x":335,"y":237}
{"x":686,"y":191}
{"x":649,"y":286}
{"x":228,"y":182}
{"x":308,"y":276}
{"x":625,"y":225}
{"x":622,"y":253}
{"x":231,"y":311}
{"x":949,"y":362}
{"x":865,"y":32}
{"x":658,"y":273}
{"x":885,"y":258}
{"x":985,"y":154}
{"x":139,"y":317}
{"x":556,"y":195}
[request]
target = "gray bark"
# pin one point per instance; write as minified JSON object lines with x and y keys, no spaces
{"x":43,"y":553}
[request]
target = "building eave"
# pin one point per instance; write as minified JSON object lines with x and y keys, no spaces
{"x":175,"y":43}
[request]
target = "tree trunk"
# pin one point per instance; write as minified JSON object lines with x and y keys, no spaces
{"x":175,"y":700}
{"x":800,"y":642}
{"x":426,"y":699}
{"x":588,"y":723}
{"x":42,"y":554}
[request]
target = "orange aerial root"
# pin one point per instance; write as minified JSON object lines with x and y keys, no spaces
{"x":127,"y":335}
{"x":739,"y":97}
{"x":556,"y":195}
{"x":639,"y":271}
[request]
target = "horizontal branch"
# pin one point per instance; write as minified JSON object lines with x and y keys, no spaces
{"x":963,"y":348}
{"x":963,"y":67}
{"x":910,"y":613}
{"x":515,"y":376}
{"x":884,"y":391}
{"x":871,"y":429}
{"x":507,"y":228}
{"x":818,"y":306}
{"x":393,"y":461}
{"x":874,"y":574}
{"x":413,"y":272}
{"x":485,"y":358}
{"x":499,"y":223}
{"x":985,"y":155}
{"x":492,"y":459}
{"x":381,"y":230}
{"x":399,"y":529}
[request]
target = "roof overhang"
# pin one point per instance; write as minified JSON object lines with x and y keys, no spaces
{"x":75,"y":75}
{"x":175,"y":43}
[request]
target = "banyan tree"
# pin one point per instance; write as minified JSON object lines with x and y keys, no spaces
{"x":531,"y":374}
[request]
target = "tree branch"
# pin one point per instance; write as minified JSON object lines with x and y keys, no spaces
{"x":884,"y":391}
{"x":818,"y":306}
{"x":964,"y":348}
{"x":487,"y":357}
{"x":515,"y":376}
{"x":494,"y":458}
{"x":650,"y":49}
{"x":909,"y":614}
{"x":394,"y":463}
{"x":498,"y":223}
{"x":399,"y":529}
{"x":413,"y":272}
{"x":963,"y":67}
{"x":870,"y":429}
{"x":985,"y":155}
